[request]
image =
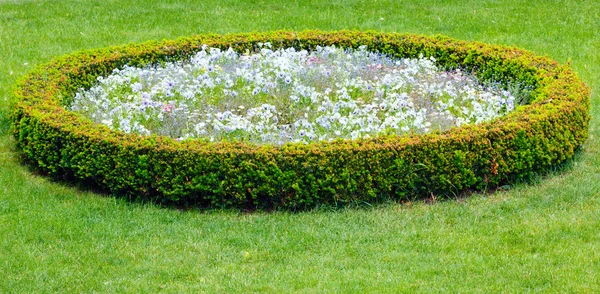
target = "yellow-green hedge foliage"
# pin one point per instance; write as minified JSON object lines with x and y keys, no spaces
{"x":529,"y":140}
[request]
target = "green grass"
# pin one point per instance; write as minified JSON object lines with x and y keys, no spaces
{"x":532,"y":237}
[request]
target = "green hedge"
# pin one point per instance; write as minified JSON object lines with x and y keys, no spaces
{"x":527,"y":141}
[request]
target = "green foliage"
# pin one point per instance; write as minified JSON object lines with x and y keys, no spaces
{"x":529,"y":140}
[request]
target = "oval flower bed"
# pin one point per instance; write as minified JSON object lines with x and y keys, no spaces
{"x":528,"y":140}
{"x":285,"y":95}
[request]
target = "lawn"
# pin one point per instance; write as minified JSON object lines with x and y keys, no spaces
{"x":539,"y":236}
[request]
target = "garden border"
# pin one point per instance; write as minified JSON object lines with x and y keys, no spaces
{"x":527,"y":141}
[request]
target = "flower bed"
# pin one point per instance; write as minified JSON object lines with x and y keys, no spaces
{"x":530,"y":139}
{"x":284,"y":95}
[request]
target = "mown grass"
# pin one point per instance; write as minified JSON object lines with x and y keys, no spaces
{"x":541,"y":236}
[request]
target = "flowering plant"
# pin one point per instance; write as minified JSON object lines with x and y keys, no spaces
{"x":285,"y":95}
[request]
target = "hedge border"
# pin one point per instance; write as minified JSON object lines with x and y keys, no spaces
{"x":527,"y":141}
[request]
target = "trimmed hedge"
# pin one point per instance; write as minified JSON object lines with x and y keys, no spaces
{"x":528,"y":140}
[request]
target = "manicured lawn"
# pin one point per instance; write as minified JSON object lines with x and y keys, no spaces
{"x":543,"y":236}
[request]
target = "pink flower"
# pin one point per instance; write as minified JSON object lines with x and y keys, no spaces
{"x":168,"y":108}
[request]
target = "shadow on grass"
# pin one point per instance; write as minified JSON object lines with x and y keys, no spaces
{"x":5,"y":125}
